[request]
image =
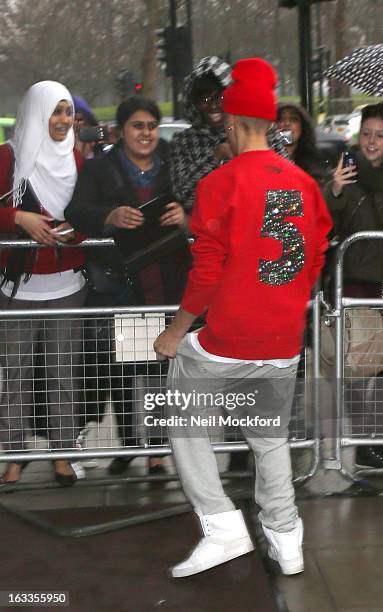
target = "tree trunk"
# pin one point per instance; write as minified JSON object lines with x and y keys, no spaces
{"x":148,"y":63}
{"x":339,"y":94}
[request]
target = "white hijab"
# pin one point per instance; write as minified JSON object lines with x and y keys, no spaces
{"x":48,"y":165}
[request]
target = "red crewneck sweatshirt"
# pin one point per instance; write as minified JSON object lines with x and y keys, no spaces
{"x":261,"y":226}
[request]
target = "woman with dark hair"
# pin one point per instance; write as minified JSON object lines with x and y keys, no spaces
{"x":355,"y":199}
{"x":302,"y":149}
{"x":105,"y":200}
{"x":354,"y":196}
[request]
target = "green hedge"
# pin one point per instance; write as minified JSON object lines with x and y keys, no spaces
{"x":107,"y":113}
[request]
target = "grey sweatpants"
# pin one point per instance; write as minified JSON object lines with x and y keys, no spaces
{"x":60,"y":339}
{"x":193,"y":454}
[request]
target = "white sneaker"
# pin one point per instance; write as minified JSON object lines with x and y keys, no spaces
{"x":286,"y":548}
{"x":225,"y":537}
{"x":81,"y":444}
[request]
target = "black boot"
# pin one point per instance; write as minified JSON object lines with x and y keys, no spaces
{"x":369,"y":456}
{"x":239,"y":461}
{"x":120,"y":465}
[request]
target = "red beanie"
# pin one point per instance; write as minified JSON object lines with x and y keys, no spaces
{"x":252,"y":92}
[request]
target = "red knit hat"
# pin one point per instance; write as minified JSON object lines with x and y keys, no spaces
{"x":252,"y":92}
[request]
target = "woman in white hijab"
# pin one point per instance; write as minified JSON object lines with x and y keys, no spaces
{"x":38,"y":172}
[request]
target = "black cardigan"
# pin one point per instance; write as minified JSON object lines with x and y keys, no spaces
{"x":100,"y":189}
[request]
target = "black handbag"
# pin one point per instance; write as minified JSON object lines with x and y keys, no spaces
{"x":101,"y":279}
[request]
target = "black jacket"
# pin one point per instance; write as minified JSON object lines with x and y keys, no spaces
{"x":360,"y":208}
{"x":103,"y":186}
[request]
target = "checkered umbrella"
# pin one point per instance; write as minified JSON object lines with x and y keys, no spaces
{"x":362,"y":69}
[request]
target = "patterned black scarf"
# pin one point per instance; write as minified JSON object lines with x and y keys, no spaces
{"x":192,"y":151}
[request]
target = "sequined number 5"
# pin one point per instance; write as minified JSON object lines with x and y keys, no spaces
{"x":281,"y":204}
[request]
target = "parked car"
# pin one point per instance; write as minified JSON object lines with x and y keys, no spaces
{"x":330,"y":146}
{"x":354,"y":121}
{"x":336,"y":124}
{"x":168,"y":128}
{"x":6,"y":128}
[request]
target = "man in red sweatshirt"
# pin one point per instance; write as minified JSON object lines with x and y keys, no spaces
{"x":260,"y":226}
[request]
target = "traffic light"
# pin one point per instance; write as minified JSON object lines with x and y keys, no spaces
{"x":174,"y":51}
{"x":138,"y":88}
{"x":166,"y":49}
{"x":316,"y":68}
{"x":183,"y":55}
{"x":125,"y":83}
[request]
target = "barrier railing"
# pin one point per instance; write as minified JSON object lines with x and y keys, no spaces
{"x":114,"y":363}
{"x":358,"y":400}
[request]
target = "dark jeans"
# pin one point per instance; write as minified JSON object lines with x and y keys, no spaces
{"x":102,"y":374}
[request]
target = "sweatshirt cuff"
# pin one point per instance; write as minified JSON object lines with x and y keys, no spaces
{"x":196,"y":301}
{"x":12,"y":223}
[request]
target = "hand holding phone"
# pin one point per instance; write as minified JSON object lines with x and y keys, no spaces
{"x":65,"y":231}
{"x":95,"y":134}
{"x":287,"y":137}
{"x":345,"y":174}
{"x":349,"y":160}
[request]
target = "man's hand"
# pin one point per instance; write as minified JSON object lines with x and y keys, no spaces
{"x":343,"y":176}
{"x":125,"y":217}
{"x":167,"y":342}
{"x":174,"y":216}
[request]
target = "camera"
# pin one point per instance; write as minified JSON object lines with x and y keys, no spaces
{"x":349,"y":159}
{"x":98,"y":134}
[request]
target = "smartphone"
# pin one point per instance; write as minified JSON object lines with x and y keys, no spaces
{"x":287,"y":137}
{"x":96,"y":133}
{"x":349,"y":159}
{"x":65,"y":232}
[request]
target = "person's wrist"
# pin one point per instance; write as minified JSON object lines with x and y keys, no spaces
{"x":18,"y":218}
{"x":109,"y":219}
{"x":336,"y":191}
{"x":177,"y":334}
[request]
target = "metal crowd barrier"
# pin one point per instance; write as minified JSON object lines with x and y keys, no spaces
{"x":116,"y":364}
{"x":358,"y":396}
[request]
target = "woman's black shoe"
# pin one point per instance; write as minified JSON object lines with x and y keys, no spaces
{"x":119,"y":465}
{"x":157,"y":470}
{"x":6,"y":483}
{"x":369,"y":457}
{"x":66,"y":480}
{"x":239,"y":461}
